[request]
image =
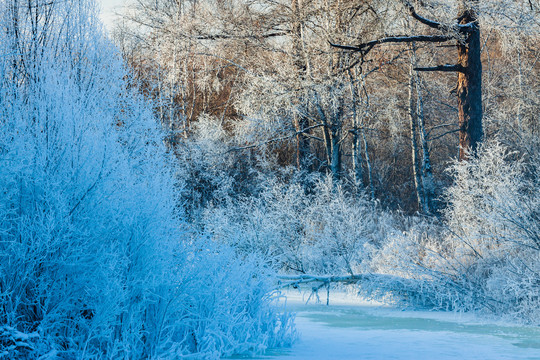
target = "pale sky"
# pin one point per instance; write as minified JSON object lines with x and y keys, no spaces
{"x":107,"y":10}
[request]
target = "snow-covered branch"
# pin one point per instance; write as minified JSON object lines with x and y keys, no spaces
{"x":295,"y":280}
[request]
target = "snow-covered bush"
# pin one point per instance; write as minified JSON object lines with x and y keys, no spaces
{"x":323,"y":230}
{"x":214,"y":170}
{"x":486,"y":254}
{"x":208,"y":174}
{"x":228,"y":306}
{"x":412,"y":259}
{"x":93,"y":262}
{"x":493,"y":216}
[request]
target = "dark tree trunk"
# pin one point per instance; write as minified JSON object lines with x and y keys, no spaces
{"x":302,"y":144}
{"x":469,"y":88}
{"x":335,"y":165}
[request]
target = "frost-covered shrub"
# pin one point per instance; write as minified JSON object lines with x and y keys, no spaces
{"x":485,"y":255}
{"x":206,"y":174}
{"x":323,"y":230}
{"x":214,"y":170}
{"x":93,"y":262}
{"x":76,"y":210}
{"x":227,"y":305}
{"x":493,"y":216}
{"x":413,"y":260}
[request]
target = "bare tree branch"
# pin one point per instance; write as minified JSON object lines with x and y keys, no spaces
{"x":447,"y":68}
{"x":275,"y":139}
{"x":366,"y":47}
{"x":423,"y":20}
{"x":434,"y":24}
{"x":237,"y":37}
{"x":443,"y":134}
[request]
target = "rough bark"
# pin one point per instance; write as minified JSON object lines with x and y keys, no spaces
{"x":469,"y":88}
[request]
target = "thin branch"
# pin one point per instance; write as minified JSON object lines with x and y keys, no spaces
{"x":440,"y":126}
{"x":435,"y":24}
{"x":445,"y":68}
{"x":366,"y":47}
{"x":423,"y":20}
{"x":377,"y":68}
{"x":228,"y":61}
{"x":314,"y":137}
{"x":443,"y":134}
{"x":89,"y":190}
{"x":275,"y":139}
{"x":453,"y":108}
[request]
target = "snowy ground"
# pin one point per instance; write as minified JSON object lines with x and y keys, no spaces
{"x":351,"y":329}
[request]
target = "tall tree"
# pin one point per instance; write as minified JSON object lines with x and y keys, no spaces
{"x":466,"y":32}
{"x":301,"y":122}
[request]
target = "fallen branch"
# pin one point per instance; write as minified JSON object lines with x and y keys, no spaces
{"x":374,"y":286}
{"x":295,"y":280}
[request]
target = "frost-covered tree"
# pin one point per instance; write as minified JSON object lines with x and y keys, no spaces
{"x":465,"y":32}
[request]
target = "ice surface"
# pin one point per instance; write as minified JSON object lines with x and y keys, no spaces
{"x":353,"y":329}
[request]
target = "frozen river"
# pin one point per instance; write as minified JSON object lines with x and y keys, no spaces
{"x":349,"y":329}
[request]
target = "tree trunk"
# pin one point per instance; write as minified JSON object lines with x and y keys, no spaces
{"x":414,"y":144}
{"x":469,"y":89}
{"x":336,"y":65}
{"x":327,"y":137}
{"x":356,"y":146}
{"x":426,"y":174}
{"x":368,"y":164}
{"x":335,"y":166}
{"x":300,"y":122}
{"x":357,"y":159}
{"x":428,"y":184}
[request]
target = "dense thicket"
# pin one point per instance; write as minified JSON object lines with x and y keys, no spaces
{"x":485,"y":253}
{"x":96,"y":260}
